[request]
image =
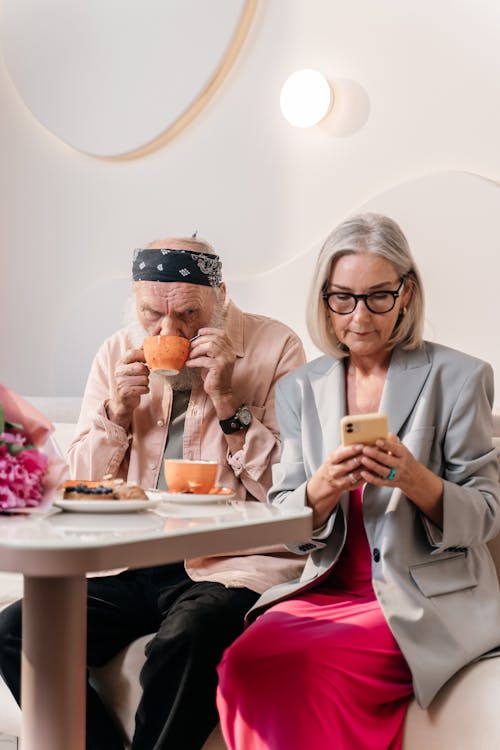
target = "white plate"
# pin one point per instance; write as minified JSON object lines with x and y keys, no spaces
{"x":108,"y":506}
{"x":191,"y":498}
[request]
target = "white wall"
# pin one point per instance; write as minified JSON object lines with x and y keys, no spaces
{"x":414,"y":133}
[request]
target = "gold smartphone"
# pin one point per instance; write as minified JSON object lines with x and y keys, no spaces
{"x":363,"y":428}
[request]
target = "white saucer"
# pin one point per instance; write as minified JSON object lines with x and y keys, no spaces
{"x":80,"y":505}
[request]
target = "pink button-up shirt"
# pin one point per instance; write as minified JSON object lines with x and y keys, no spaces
{"x":266,"y":350}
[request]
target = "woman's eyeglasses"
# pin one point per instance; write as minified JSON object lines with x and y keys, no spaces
{"x":378,"y":303}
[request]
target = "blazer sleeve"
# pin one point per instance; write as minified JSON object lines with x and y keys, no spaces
{"x":471,"y":498}
{"x":289,"y":474}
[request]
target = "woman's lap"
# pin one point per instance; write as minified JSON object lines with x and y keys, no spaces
{"x":329,"y":668}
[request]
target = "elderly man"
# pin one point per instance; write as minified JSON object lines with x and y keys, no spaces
{"x":219,"y":407}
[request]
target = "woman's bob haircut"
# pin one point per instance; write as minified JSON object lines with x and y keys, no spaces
{"x":365,"y":233}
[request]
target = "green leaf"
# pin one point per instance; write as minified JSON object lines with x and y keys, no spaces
{"x":2,"y":419}
{"x":15,"y":448}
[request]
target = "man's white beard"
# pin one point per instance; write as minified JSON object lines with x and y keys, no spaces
{"x":189,"y":377}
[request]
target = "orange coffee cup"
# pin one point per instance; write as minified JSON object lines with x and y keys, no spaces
{"x":182,"y":475}
{"x":166,"y":354}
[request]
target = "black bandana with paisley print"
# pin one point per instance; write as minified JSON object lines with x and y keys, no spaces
{"x":189,"y":266}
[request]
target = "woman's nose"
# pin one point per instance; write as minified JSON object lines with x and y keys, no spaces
{"x":361,"y":310}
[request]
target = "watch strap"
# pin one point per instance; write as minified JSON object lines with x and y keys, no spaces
{"x":234,"y":424}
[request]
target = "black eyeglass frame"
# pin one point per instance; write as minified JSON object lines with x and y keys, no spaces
{"x":365,"y":297}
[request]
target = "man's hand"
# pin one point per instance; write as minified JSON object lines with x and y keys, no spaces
{"x":212,"y":351}
{"x":132,"y":382}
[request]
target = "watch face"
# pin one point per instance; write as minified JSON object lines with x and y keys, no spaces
{"x":244,"y":415}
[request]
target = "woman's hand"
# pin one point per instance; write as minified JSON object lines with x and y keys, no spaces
{"x":389,"y":463}
{"x":337,"y":474}
{"x":131,"y":382}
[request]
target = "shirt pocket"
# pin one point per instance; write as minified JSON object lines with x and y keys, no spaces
{"x":444,"y":576}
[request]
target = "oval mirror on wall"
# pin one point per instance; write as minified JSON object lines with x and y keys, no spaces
{"x":113,"y":78}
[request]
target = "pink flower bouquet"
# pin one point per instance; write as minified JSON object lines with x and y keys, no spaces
{"x":30,"y":469}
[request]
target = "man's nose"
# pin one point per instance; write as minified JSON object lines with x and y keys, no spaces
{"x":170,"y":326}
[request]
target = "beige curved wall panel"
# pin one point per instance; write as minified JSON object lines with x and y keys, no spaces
{"x":452,"y":221}
{"x":120,"y":77}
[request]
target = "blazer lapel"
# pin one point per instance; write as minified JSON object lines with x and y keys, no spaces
{"x":328,"y":387}
{"x":406,"y":376}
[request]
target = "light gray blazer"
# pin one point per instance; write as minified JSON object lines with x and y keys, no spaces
{"x":438,"y":589}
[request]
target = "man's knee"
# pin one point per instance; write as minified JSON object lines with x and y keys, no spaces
{"x":11,"y":623}
{"x":200,"y":625}
{"x":10,"y":639}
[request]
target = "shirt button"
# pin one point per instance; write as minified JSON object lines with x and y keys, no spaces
{"x":160,"y":423}
{"x":376,"y":554}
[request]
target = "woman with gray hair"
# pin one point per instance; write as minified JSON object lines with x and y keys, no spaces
{"x":399,"y":591}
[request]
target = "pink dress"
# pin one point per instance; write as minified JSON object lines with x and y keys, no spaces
{"x":322,"y":670}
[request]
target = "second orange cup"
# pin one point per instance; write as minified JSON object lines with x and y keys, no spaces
{"x":182,"y":475}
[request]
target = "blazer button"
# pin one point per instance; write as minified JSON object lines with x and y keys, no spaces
{"x":376,"y":554}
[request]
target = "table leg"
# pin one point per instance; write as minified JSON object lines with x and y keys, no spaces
{"x":53,"y":686}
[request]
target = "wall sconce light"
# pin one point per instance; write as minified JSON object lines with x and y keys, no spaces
{"x":306,"y":98}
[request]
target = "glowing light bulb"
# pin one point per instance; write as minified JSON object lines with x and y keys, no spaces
{"x":306,"y":97}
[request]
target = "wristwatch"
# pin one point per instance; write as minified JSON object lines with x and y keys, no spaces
{"x":237,"y":422}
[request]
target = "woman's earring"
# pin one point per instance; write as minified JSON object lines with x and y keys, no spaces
{"x":404,"y":311}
